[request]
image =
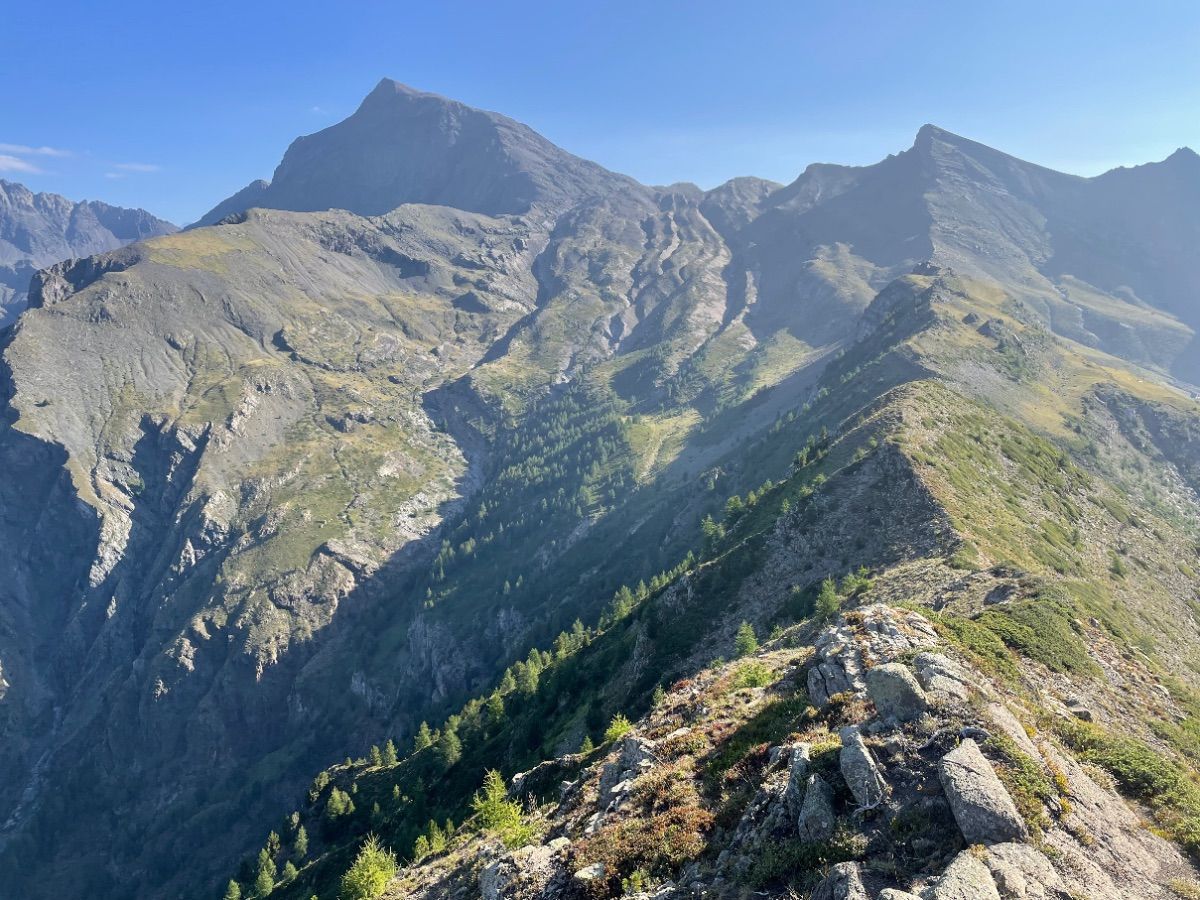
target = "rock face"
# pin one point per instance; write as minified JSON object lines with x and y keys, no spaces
{"x":982,"y":807}
{"x":38,"y":230}
{"x":817,"y":819}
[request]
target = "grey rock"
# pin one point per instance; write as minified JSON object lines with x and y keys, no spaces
{"x":635,"y":756}
{"x":966,"y":878}
{"x":817,"y":819}
{"x":524,"y":874}
{"x":845,"y":651}
{"x":938,"y":674}
{"x":895,"y":692}
{"x":589,"y":873}
{"x":860,"y":770}
{"x":1023,"y":873}
{"x":844,"y":882}
{"x":982,"y":807}
{"x":896,"y":894}
{"x":798,"y":766}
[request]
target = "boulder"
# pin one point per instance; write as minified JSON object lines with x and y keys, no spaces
{"x":1022,"y":872}
{"x":842,"y":883}
{"x":797,"y":782}
{"x":941,"y":675}
{"x":894,"y":894}
{"x":895,"y":692}
{"x":816,"y":818}
{"x":589,"y":874}
{"x":860,"y":770}
{"x":966,"y":878}
{"x":984,"y":811}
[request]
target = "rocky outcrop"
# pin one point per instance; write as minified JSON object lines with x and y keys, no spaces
{"x":817,"y":818}
{"x":982,"y":807}
{"x":530,"y":873}
{"x":870,"y":635}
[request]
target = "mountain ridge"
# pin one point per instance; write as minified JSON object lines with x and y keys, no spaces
{"x":307,"y":478}
{"x":39,"y":229}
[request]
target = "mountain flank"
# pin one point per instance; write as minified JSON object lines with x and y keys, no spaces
{"x":446,"y":451}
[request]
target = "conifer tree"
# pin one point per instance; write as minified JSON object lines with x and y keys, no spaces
{"x":390,"y":757}
{"x":264,"y":879}
{"x":424,"y":738}
{"x":746,"y":641}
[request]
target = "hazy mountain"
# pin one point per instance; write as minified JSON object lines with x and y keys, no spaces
{"x":364,"y":454}
{"x":38,"y":230}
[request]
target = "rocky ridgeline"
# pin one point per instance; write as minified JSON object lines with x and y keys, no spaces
{"x":915,"y":787}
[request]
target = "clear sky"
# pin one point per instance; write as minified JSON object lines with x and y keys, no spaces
{"x":173,"y":106}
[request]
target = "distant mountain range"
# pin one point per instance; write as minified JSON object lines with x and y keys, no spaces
{"x":446,"y":424}
{"x":38,"y":230}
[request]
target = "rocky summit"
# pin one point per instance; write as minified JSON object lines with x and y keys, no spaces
{"x":451,"y":517}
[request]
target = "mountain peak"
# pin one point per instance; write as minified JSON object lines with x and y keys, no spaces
{"x":403,"y":145}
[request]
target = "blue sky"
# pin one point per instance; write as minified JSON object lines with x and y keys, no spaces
{"x":174,"y":106}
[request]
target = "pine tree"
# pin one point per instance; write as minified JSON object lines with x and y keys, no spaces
{"x":370,"y":872}
{"x":376,"y":755}
{"x":300,"y":844}
{"x":264,"y":880}
{"x":233,"y":891}
{"x":273,"y":843}
{"x":449,"y":746}
{"x":289,"y":870}
{"x":495,"y":709}
{"x":746,"y":641}
{"x":828,"y":600}
{"x":424,"y":738}
{"x":389,"y":753}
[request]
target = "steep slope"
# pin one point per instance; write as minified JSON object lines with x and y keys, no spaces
{"x":37,"y":230}
{"x":407,"y":146}
{"x":298,"y":481}
{"x":989,"y":572}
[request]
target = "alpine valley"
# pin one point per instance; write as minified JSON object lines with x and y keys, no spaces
{"x":452,"y":517}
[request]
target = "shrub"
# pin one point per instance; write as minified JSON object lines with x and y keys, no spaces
{"x":657,"y":845}
{"x":782,"y":860}
{"x":370,"y":872}
{"x":752,"y":675}
{"x":617,"y":728}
